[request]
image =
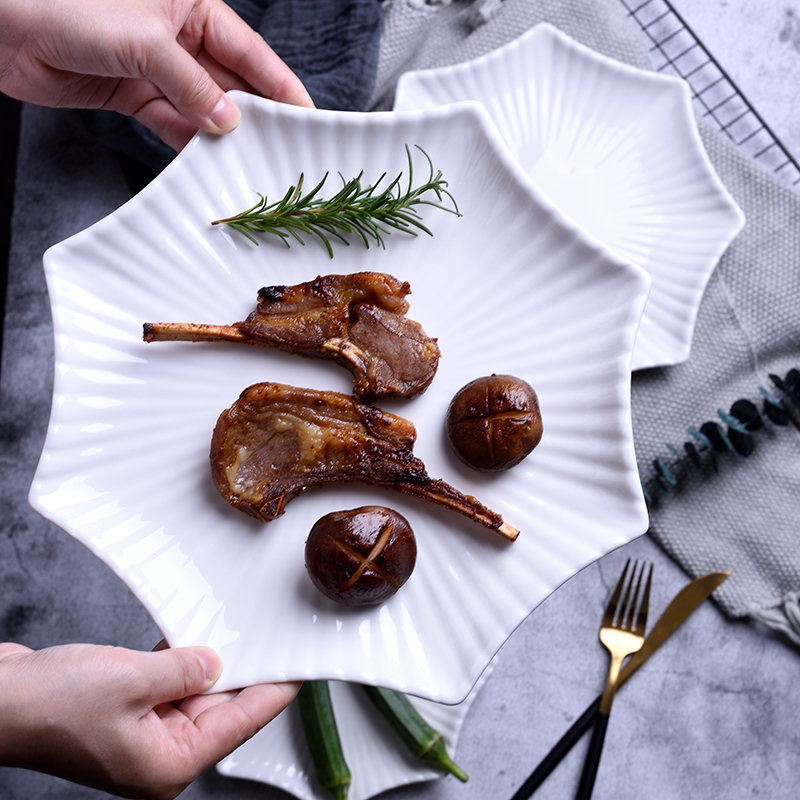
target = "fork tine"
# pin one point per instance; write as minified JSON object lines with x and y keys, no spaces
{"x":641,"y":618}
{"x":611,"y":608}
{"x":629,"y":605}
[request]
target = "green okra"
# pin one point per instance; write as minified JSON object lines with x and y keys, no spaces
{"x":322,"y":736}
{"x":420,"y":738}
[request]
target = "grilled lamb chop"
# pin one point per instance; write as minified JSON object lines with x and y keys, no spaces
{"x":276,"y":441}
{"x":357,"y":320}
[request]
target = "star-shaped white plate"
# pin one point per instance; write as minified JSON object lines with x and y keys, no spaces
{"x":511,"y":286}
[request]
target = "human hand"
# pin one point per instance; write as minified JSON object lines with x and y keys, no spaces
{"x":127,"y":722}
{"x":165,"y":62}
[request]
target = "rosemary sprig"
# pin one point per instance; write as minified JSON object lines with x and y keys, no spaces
{"x":701,"y":454}
{"x":364,"y":211}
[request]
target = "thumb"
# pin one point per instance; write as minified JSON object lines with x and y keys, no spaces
{"x":181,"y":672}
{"x":193,"y":92}
{"x":13,"y":649}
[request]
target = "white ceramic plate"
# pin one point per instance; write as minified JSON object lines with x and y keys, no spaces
{"x":377,"y":759}
{"x":511,"y":286}
{"x":618,"y":150}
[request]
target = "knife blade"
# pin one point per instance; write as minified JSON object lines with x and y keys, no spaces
{"x":677,"y":612}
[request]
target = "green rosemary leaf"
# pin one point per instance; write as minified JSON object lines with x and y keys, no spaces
{"x":244,"y":231}
{"x":304,"y":201}
{"x":291,"y":230}
{"x":369,"y":213}
{"x":407,"y":222}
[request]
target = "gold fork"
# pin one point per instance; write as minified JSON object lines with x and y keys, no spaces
{"x":622,"y":633}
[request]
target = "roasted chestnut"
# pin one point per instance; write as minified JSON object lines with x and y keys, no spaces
{"x":494,"y":422}
{"x":361,"y":557}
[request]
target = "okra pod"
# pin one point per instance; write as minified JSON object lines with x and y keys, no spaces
{"x":322,"y":736}
{"x":420,"y":738}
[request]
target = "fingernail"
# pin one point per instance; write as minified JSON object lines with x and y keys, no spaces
{"x":212,"y":664}
{"x":225,"y":115}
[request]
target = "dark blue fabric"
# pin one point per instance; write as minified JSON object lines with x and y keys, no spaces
{"x":332,"y":45}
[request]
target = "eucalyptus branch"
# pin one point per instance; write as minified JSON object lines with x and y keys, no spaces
{"x":367,"y":212}
{"x":666,"y":476}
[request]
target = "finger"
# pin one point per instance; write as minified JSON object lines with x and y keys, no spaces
{"x":166,"y":122}
{"x":132,"y":94}
{"x":142,"y":99}
{"x":192,"y":91}
{"x":225,"y":726}
{"x":177,"y":673}
{"x":225,"y":78}
{"x":8,"y":649}
{"x":193,"y":707}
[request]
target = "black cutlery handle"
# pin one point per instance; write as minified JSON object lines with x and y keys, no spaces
{"x":562,"y":747}
{"x":593,"y":758}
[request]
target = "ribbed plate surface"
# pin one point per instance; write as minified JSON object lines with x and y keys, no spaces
{"x":378,"y":761}
{"x":511,"y":286}
{"x":618,"y":150}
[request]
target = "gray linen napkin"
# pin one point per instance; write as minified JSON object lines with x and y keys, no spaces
{"x":423,"y":35}
{"x":745,"y":517}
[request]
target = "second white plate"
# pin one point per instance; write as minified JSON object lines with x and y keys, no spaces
{"x":618,"y":150}
{"x":378,"y":760}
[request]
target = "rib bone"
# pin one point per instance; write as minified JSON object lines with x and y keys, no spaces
{"x":357,"y":320}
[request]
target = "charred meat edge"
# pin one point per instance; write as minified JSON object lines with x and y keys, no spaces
{"x":276,"y":441}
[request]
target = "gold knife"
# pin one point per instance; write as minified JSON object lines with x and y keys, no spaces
{"x":683,"y":604}
{"x":677,"y":612}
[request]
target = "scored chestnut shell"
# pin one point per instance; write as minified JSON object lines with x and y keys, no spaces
{"x":362,"y":556}
{"x":494,"y":422}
